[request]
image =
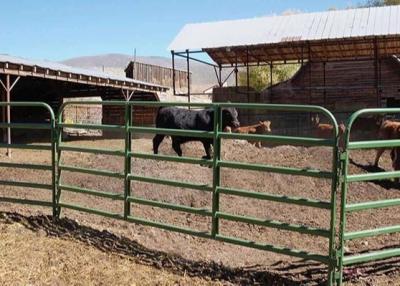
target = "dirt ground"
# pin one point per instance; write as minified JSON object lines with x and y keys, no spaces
{"x":176,"y":258}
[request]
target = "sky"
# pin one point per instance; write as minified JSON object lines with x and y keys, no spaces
{"x":58,"y":30}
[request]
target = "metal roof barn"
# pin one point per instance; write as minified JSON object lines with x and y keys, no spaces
{"x":352,"y":33}
{"x":32,"y":80}
{"x":52,"y":70}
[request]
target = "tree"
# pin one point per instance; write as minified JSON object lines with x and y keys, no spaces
{"x":377,"y":3}
{"x":259,"y":76}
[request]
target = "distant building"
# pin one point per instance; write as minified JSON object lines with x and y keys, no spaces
{"x":158,"y":75}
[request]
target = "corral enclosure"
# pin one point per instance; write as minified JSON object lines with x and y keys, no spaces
{"x":280,"y":203}
{"x":251,"y":266}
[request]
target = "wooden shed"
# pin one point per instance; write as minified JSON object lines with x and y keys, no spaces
{"x":31,"y":80}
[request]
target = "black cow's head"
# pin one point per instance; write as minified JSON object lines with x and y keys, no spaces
{"x":230,"y":118}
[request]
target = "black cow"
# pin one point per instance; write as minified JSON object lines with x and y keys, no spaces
{"x":179,"y":118}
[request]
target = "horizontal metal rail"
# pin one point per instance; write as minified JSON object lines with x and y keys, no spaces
{"x":90,"y":210}
{"x":26,"y":146}
{"x":92,"y":126}
{"x":25,"y":166}
{"x":372,"y":205}
{"x":170,"y":227}
{"x":75,"y":189}
{"x":63,"y":147}
{"x":373,"y":144}
{"x":37,"y":126}
{"x":26,"y":202}
{"x":371,"y":256}
{"x":274,"y":169}
{"x":26,"y":184}
{"x":92,"y":171}
{"x":272,"y":248}
{"x":177,"y":159}
{"x":175,"y":207}
{"x":373,"y":176}
{"x":371,"y":232}
{"x":275,"y":198}
{"x":274,"y":224}
{"x":173,"y":132}
{"x":280,"y":139}
{"x":173,"y":183}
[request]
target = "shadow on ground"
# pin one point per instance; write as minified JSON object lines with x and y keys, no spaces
{"x":386,"y":184}
{"x":281,"y":273}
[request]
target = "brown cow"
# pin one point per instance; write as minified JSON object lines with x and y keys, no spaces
{"x":388,"y":130}
{"x":395,"y":156}
{"x":325,"y":130}
{"x":263,"y":127}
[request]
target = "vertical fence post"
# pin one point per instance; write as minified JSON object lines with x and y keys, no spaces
{"x":333,"y":202}
{"x":344,"y":161}
{"x":53,"y":138}
{"x":128,"y":165}
{"x":216,"y":169}
{"x":58,"y":140}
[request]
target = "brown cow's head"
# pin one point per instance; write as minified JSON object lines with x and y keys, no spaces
{"x":230,"y":118}
{"x":265,"y":126}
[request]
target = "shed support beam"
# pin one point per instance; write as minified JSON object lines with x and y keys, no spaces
{"x":127,"y":94}
{"x":6,"y":112}
{"x":188,"y":74}
{"x":173,"y":72}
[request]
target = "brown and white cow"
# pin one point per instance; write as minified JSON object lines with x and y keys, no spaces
{"x":325,"y":130}
{"x":388,"y":130}
{"x":263,"y":127}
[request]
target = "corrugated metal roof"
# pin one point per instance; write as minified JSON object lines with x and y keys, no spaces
{"x":73,"y":70}
{"x":338,"y":24}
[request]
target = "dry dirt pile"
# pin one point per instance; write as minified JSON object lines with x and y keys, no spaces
{"x":201,"y":249}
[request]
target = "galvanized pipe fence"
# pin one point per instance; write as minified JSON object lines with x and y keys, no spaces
{"x":335,"y":259}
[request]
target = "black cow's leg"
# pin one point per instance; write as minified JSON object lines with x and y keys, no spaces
{"x":156,"y":142}
{"x":207,"y":148}
{"x":176,"y":145}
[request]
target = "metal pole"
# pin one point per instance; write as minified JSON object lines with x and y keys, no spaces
{"x":128,"y":162}
{"x":173,"y":72}
{"x":188,"y":74}
{"x":3,"y":111}
{"x":376,"y":72}
{"x":216,"y":169}
{"x":220,"y":76}
{"x":324,"y":66}
{"x":270,"y":76}
{"x":247,"y":71}
{"x":8,"y":93}
{"x":236,"y":74}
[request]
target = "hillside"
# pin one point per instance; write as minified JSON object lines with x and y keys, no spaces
{"x":203,"y":75}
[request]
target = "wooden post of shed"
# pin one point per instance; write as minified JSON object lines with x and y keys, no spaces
{"x":8,"y":99}
{"x":6,"y":112}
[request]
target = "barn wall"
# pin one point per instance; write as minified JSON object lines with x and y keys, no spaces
{"x":346,"y":87}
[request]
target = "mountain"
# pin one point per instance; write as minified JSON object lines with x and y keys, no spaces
{"x":203,"y":76}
